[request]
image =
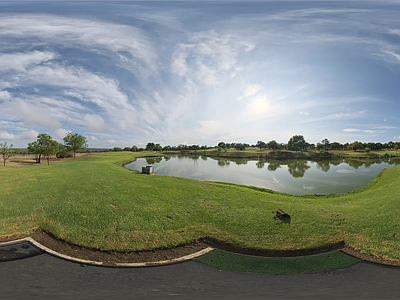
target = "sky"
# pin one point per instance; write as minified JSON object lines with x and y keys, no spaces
{"x":126,"y":73}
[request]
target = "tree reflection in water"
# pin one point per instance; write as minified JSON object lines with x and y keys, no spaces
{"x":298,"y":168}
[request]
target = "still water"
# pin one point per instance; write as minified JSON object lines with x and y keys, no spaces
{"x":290,"y":176}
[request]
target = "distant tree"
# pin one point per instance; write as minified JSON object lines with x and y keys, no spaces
{"x":396,"y":147}
{"x":150,"y":146}
{"x":134,"y":148}
{"x":320,"y":146}
{"x":336,"y":146}
{"x":6,"y":151}
{"x":326,"y":144}
{"x":127,"y":149}
{"x":41,"y":144}
{"x":297,"y":142}
{"x":368,"y":150}
{"x":75,"y":142}
{"x":273,"y":145}
{"x":261,"y":145}
{"x":157,"y":147}
{"x":166,"y":148}
{"x":49,"y":148}
{"x":239,"y":146}
{"x":117,"y":149}
{"x":355,"y":146}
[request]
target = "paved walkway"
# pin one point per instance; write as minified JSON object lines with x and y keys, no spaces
{"x":45,"y":276}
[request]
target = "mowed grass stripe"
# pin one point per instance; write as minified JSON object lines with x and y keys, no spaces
{"x":277,"y":265}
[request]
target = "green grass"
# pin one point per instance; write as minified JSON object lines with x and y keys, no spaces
{"x":92,"y":201}
{"x":277,"y":265}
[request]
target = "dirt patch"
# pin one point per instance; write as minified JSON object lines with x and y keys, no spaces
{"x":356,"y":253}
{"x":112,"y":258}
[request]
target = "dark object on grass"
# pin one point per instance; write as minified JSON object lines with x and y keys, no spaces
{"x":283,"y":216}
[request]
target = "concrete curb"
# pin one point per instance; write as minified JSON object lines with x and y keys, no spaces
{"x":98,"y":263}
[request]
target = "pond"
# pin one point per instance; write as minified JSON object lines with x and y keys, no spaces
{"x":295,"y":177}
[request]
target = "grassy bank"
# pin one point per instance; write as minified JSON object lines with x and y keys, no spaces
{"x":92,"y":201}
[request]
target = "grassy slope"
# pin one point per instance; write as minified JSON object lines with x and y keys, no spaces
{"x":94,"y":202}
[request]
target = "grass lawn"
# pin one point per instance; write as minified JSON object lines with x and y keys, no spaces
{"x":92,"y":201}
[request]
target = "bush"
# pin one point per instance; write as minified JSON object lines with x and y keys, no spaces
{"x":64,"y":154}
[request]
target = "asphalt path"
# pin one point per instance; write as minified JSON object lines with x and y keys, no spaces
{"x":43,"y":276}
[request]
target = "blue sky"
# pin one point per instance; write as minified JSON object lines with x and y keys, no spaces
{"x":127,"y":73}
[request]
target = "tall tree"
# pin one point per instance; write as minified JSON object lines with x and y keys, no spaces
{"x":50,"y":147}
{"x":6,"y":151}
{"x":75,"y":142}
{"x":261,"y":145}
{"x":37,"y":147}
{"x":297,"y":142}
{"x":326,"y":144}
{"x":150,"y":146}
{"x":272,"y":145}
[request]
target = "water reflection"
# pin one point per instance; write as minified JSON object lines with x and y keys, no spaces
{"x":153,"y":160}
{"x":297,"y":168}
{"x":290,"y":176}
{"x":323,"y":165}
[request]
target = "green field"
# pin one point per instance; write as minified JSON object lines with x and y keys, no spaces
{"x":92,"y":201}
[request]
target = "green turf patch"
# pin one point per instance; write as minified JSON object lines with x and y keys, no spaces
{"x":277,"y":265}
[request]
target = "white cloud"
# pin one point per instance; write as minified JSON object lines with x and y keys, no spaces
{"x":20,"y":61}
{"x":396,"y":138}
{"x":94,"y":122}
{"x":208,"y":56}
{"x":4,"y":135}
{"x":351,"y":130}
{"x":29,"y":135}
{"x":33,"y":114}
{"x":4,"y":95}
{"x":92,"y":138}
{"x":359,"y":130}
{"x":344,"y":171}
{"x":79,"y":83}
{"x":60,"y":133}
{"x":82,"y":32}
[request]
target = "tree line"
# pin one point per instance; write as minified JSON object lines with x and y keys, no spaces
{"x":295,"y":143}
{"x":45,"y":146}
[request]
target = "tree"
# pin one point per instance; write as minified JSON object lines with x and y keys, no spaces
{"x":6,"y":151}
{"x":336,"y":146}
{"x":127,"y":149}
{"x":75,"y":142}
{"x":273,"y":145}
{"x":296,"y":142}
{"x":41,"y":144}
{"x":325,"y":142}
{"x":261,"y":145}
{"x":224,"y":146}
{"x":49,"y":148}
{"x":157,"y":147}
{"x":355,"y":146}
{"x":150,"y":146}
{"x":117,"y":149}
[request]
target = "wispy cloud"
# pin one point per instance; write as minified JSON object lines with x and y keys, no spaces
{"x":20,"y":61}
